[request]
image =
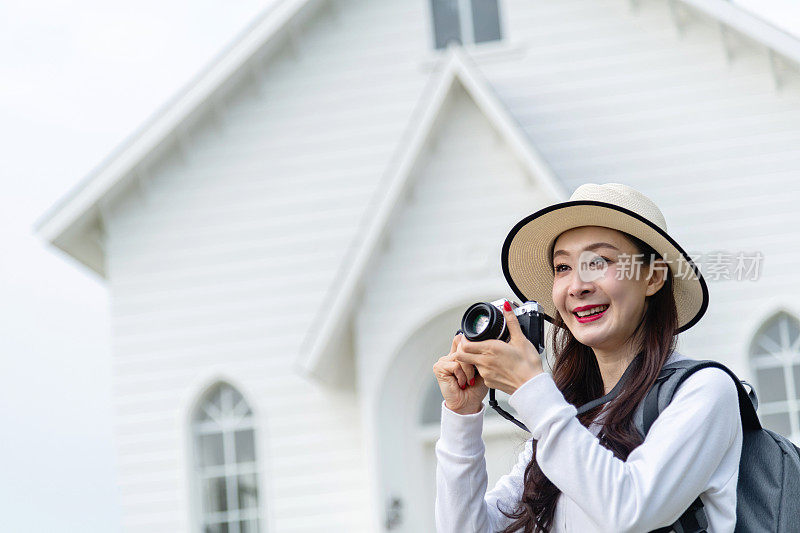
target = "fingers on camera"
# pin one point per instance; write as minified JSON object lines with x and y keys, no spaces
{"x":458,"y":372}
{"x":464,"y":373}
{"x":469,"y":372}
{"x":456,"y":340}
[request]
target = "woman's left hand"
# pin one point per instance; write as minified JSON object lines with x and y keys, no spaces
{"x":504,"y":366}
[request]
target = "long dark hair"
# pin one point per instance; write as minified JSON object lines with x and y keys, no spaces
{"x":577,"y":376}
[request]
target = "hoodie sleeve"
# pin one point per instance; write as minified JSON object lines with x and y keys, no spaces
{"x":660,"y":478}
{"x":462,"y":503}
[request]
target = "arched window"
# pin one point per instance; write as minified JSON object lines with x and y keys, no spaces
{"x":225,"y":466}
{"x":775,"y":359}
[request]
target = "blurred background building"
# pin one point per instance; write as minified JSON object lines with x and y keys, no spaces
{"x":289,"y":245}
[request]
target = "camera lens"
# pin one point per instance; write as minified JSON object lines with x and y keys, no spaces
{"x":479,"y":323}
{"x":482,"y":321}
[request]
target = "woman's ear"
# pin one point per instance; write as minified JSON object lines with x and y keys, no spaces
{"x":656,"y":277}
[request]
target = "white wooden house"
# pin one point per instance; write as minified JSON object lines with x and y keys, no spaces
{"x":289,"y":245}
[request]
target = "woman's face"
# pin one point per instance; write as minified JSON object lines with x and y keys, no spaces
{"x":591,"y":269}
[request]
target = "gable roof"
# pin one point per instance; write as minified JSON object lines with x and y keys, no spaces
{"x":324,"y":343}
{"x":75,"y":223}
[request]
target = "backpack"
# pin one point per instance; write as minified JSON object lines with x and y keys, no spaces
{"x":768,"y":490}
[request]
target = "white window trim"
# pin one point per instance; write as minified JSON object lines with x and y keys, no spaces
{"x":240,"y":418}
{"x":780,"y":353}
{"x":501,"y":48}
{"x":465,"y":21}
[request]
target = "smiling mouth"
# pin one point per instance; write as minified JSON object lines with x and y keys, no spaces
{"x":599,"y":311}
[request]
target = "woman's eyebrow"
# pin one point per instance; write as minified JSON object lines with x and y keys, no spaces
{"x":591,"y":247}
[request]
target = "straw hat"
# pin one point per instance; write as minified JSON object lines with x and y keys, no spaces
{"x":526,"y":252}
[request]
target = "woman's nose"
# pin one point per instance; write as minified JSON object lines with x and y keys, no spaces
{"x":579,"y":286}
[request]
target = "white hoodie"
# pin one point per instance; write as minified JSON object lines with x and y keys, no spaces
{"x":692,"y":448}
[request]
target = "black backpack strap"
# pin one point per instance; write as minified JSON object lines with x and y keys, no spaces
{"x":751,"y":394}
{"x":748,"y":401}
{"x":613,"y":393}
{"x":650,"y":409}
{"x":694,"y":519}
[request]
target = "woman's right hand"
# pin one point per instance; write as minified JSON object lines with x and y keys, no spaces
{"x":454,"y":381}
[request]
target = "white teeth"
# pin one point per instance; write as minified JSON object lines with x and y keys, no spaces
{"x":592,"y":311}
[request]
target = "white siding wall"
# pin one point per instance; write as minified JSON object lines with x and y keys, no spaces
{"x":216,"y":268}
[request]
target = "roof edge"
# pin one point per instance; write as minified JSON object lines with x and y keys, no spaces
{"x":81,"y":202}
{"x":747,"y":23}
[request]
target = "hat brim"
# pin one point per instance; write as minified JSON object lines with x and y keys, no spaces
{"x":526,"y":254}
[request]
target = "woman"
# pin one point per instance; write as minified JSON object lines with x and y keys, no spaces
{"x":591,"y":472}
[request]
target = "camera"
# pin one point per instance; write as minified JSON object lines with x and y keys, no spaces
{"x":483,"y":321}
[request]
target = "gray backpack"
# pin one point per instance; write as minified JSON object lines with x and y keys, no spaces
{"x":768,"y":491}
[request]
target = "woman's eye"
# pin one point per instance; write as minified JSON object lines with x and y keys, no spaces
{"x":599,"y":262}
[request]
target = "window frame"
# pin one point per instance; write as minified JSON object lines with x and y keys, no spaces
{"x":466,"y":26}
{"x":232,"y":418}
{"x":768,"y":352}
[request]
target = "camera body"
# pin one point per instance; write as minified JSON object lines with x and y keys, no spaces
{"x":484,"y":321}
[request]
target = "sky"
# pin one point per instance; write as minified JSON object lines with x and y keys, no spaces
{"x":76,"y":78}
